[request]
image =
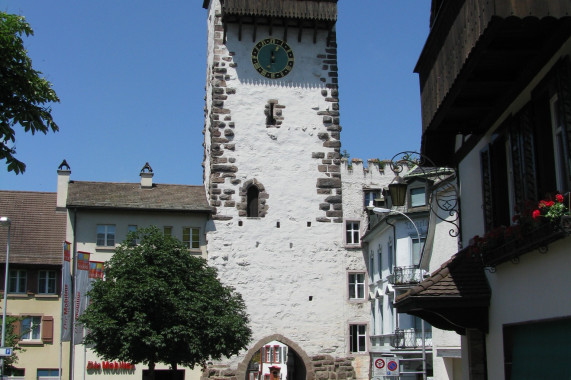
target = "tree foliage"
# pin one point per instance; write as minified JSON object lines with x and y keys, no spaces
{"x":23,"y":92}
{"x":160,"y":304}
{"x":12,"y":340}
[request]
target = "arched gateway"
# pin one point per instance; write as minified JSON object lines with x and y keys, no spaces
{"x":276,"y":358}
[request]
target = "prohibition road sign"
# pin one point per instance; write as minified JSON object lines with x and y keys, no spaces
{"x":380,"y":363}
{"x":392,"y":365}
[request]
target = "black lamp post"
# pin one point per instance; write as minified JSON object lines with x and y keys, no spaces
{"x":397,"y":188}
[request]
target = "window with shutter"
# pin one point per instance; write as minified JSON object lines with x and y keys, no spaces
{"x":529,"y":157}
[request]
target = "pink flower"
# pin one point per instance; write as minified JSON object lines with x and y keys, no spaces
{"x":559,"y":198}
{"x":536,"y":214}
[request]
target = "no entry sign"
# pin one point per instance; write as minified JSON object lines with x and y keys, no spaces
{"x":385,"y":366}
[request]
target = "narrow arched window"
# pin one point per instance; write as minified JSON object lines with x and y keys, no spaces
{"x":252,"y":205}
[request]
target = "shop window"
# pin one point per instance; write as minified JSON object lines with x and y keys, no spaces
{"x":48,"y":374}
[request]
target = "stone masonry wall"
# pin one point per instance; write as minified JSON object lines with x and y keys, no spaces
{"x":223,"y":132}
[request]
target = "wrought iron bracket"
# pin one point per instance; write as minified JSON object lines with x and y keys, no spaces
{"x":443,"y":203}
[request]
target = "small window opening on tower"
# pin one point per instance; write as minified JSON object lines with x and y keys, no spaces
{"x":252,"y":201}
{"x":270,"y":118}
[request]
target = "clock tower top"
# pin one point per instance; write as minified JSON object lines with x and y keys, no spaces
{"x":299,"y":14}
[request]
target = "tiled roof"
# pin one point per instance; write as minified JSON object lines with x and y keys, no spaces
{"x":296,"y":9}
{"x":455,"y":297}
{"x":131,"y":196}
{"x":460,"y":277}
{"x":37,"y":231}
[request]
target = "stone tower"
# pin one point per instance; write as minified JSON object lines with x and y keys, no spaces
{"x":272,"y":172}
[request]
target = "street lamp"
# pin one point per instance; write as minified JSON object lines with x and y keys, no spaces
{"x":445,"y":200}
{"x":5,"y":221}
{"x":380,"y":210}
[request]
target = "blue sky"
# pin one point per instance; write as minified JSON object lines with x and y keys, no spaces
{"x":131,"y":73}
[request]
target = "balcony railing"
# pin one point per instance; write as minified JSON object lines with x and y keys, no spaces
{"x":403,"y":339}
{"x":406,"y":275}
{"x":411,"y":338}
{"x":506,"y":249}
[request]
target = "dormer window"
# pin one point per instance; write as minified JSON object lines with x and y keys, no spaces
{"x":373,"y":198}
{"x":418,"y":197}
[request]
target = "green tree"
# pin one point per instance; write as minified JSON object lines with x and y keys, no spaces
{"x":23,"y":92}
{"x":160,"y":304}
{"x":12,"y":340}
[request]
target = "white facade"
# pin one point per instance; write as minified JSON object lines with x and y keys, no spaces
{"x":542,"y":278}
{"x":289,"y":260}
{"x":393,"y":255}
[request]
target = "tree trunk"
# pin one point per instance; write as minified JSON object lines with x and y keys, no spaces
{"x":151,"y":371}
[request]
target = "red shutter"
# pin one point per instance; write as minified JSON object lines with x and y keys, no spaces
{"x":17,"y":327}
{"x":47,"y":329}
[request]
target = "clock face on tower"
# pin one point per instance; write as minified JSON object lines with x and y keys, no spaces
{"x":272,"y":58}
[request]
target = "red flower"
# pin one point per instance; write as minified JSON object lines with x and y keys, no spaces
{"x":549,"y":203}
{"x":559,"y":198}
{"x":536,"y":214}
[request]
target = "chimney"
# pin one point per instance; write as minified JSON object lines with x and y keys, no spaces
{"x":147,"y":177}
{"x":63,"y":173}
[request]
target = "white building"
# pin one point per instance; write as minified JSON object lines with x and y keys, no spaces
{"x":393,"y":247}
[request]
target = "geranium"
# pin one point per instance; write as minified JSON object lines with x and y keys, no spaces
{"x":525,"y":220}
{"x":550,"y":209}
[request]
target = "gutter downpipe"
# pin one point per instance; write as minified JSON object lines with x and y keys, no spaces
{"x":394,"y":259}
